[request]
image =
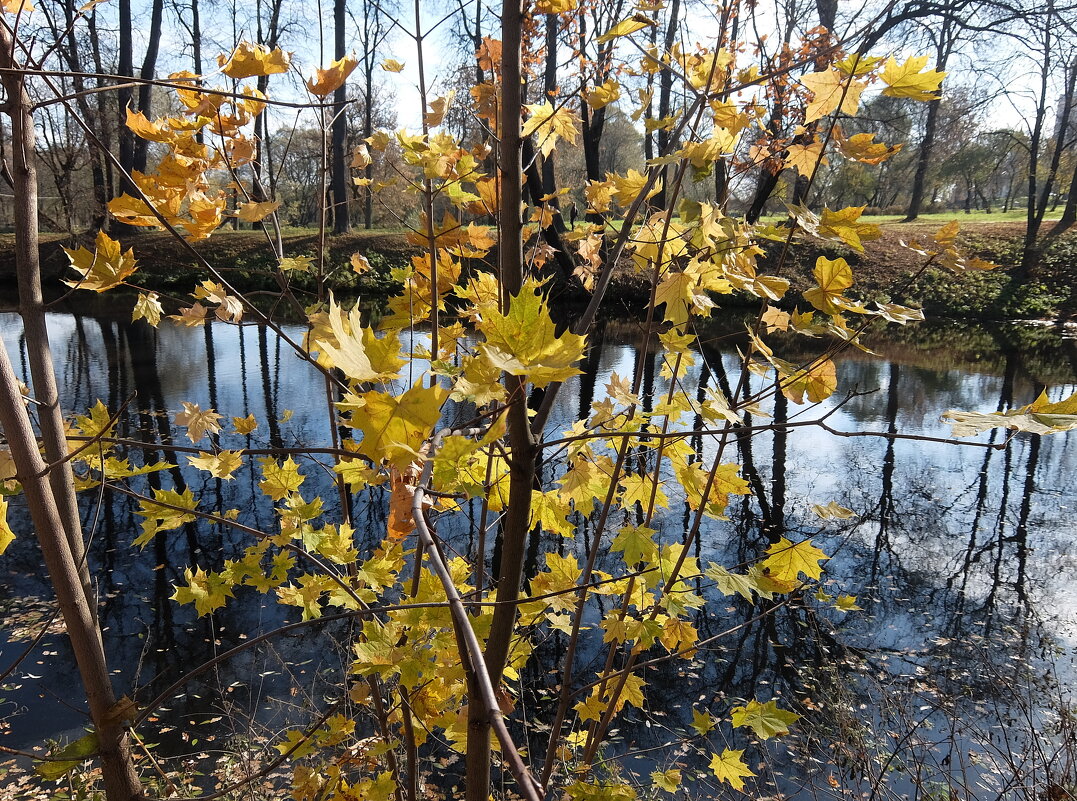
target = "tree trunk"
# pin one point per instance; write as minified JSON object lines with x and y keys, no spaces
{"x":339,"y":167}
{"x":32,"y":310}
{"x":145,"y":91}
{"x":514,"y":527}
{"x":49,"y":491}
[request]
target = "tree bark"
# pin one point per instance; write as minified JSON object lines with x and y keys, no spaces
{"x":514,"y":528}
{"x":339,"y":167}
{"x":32,"y":310}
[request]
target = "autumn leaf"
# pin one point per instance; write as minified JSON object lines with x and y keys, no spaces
{"x":7,"y":536}
{"x":395,"y":427}
{"x":198,"y":422}
{"x":667,"y":780}
{"x":244,"y":425}
{"x":357,"y":351}
{"x":729,"y":767}
{"x":256,"y":212}
{"x":148,"y":308}
{"x":910,"y":80}
{"x":831,"y":91}
{"x":766,"y":720}
{"x":327,"y":80}
{"x":207,"y":591}
{"x":862,"y":147}
{"x":832,"y":278}
{"x":832,"y":511}
{"x":249,"y":60}
{"x":18,"y":6}
{"x":601,"y":96}
{"x":805,"y":158}
{"x":551,"y":124}
{"x":280,"y":479}
{"x":636,"y":22}
{"x":786,"y":561}
{"x":555,"y":6}
{"x":103,"y":269}
{"x":219,"y":465}
{"x":523,"y":341}
{"x":703,"y":722}
{"x":392,"y":65}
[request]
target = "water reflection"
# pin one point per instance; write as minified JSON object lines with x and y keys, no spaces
{"x":949,"y":545}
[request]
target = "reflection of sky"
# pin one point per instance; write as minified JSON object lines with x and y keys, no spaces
{"x":909,"y":571}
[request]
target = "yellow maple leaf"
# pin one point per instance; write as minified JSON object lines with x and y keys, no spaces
{"x":148,"y":308}
{"x":636,"y":22}
{"x":863,"y":147}
{"x":392,"y":65}
{"x":280,"y":479}
{"x":551,"y":124}
{"x":601,"y":96}
{"x":102,"y":269}
{"x":909,"y":79}
{"x":7,"y":536}
{"x":831,"y":91}
{"x":833,"y":277}
{"x":394,"y":428}
{"x":256,"y":212}
{"x":555,"y":6}
{"x":244,"y":425}
{"x":523,"y":341}
{"x":250,"y":59}
{"x":356,"y":350}
{"x":154,"y":131}
{"x":219,"y":465}
{"x":766,"y":720}
{"x":786,"y":561}
{"x":197,"y":421}
{"x":805,"y":158}
{"x":17,"y":7}
{"x":729,"y":767}
{"x":329,"y":79}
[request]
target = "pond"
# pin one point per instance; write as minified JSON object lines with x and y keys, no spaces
{"x":962,"y":559}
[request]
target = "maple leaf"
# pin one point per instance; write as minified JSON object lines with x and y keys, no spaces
{"x":280,"y":479}
{"x":151,"y":131}
{"x":198,"y":422}
{"x":833,"y":277}
{"x":766,"y":720}
{"x":862,"y":147}
{"x":555,"y":6}
{"x":667,"y":780}
{"x":601,"y":96}
{"x":636,"y":543}
{"x":1039,"y":417}
{"x":219,"y":465}
{"x":7,"y":536}
{"x":702,"y":722}
{"x":831,"y":91}
{"x":244,"y":425}
{"x":805,"y":158}
{"x":786,"y":561}
{"x":909,"y":79}
{"x":357,"y":351}
{"x":524,"y":342}
{"x":102,"y":269}
{"x":256,"y":212}
{"x":729,"y":767}
{"x":551,"y":124}
{"x":207,"y":591}
{"x":329,"y":79}
{"x":392,"y":65}
{"x":148,"y":308}
{"x":18,"y":6}
{"x":636,"y":22}
{"x":729,"y":583}
{"x":249,"y":60}
{"x":394,"y":428}
{"x":832,"y":511}
{"x":847,"y":603}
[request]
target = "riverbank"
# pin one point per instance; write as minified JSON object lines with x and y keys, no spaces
{"x":882,"y":272}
